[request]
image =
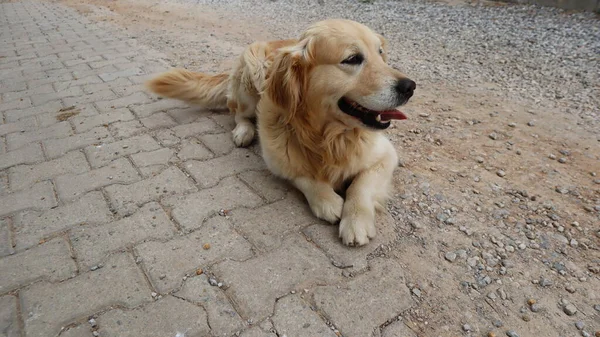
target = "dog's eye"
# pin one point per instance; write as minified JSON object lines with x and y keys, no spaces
{"x":355,"y":59}
{"x":380,"y":50}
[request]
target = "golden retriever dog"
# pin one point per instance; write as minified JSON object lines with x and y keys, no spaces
{"x":320,"y":104}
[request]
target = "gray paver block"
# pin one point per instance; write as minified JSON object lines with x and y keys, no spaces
{"x":110,"y":76}
{"x":293,"y":317}
{"x":23,"y":125}
{"x":203,"y":125}
{"x":58,"y":147}
{"x":267,"y":226}
{"x":209,"y":173}
{"x":296,"y":265}
{"x":88,"y":80}
{"x":229,"y":194}
{"x":118,"y":83}
{"x":257,"y":332}
{"x":187,"y":114}
{"x":267,"y":185}
{"x":192,"y":149}
{"x":102,"y":95}
{"x":44,"y":98}
{"x":24,"y":176}
{"x":83,"y":124}
{"x":15,"y":115}
{"x":158,"y":157}
{"x":5,"y":241}
{"x":158,"y":121}
{"x":19,"y":139}
{"x":93,"y":243}
{"x":166,"y":263}
{"x":100,"y":155}
{"x":31,"y":226}
{"x":52,"y":306}
{"x":167,"y":137}
{"x":42,"y":89}
{"x":82,"y":330}
{"x":26,"y":155}
{"x":9,"y":324}
{"x":354,"y":308}
{"x":16,"y":104}
{"x":122,"y":130}
{"x":122,"y":102}
{"x":398,"y":329}
{"x":49,"y":118}
{"x":219,"y":143}
{"x":39,"y":196}
{"x":168,"y":316}
{"x":222,"y":317}
{"x":355,"y":259}
{"x":126,"y":198}
{"x":120,"y":171}
{"x":161,"y":105}
{"x":51,"y":261}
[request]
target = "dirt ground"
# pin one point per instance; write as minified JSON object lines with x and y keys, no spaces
{"x":497,"y":202}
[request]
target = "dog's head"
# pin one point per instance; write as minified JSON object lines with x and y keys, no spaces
{"x":338,"y":72}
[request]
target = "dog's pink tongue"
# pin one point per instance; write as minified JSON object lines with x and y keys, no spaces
{"x":392,"y":114}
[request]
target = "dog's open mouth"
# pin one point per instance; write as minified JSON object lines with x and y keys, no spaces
{"x":370,"y":118}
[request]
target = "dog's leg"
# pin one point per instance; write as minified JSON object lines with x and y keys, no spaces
{"x":369,"y":190}
{"x":244,"y":130}
{"x":322,"y":199}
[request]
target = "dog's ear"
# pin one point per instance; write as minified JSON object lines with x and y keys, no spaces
{"x":384,"y":46}
{"x":286,"y":83}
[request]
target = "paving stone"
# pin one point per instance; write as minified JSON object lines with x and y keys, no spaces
{"x":188,"y":114}
{"x":327,"y":238}
{"x":222,"y":317}
{"x":45,"y":79}
{"x":126,"y":90}
{"x":9,"y":324}
{"x":44,"y":98}
{"x":107,"y":77}
{"x":339,"y":302}
{"x":100,"y":155}
{"x":51,"y":118}
{"x":82,"y":330}
{"x":9,"y":86}
{"x":31,"y":226}
{"x":92,"y":243}
{"x":159,"y":106}
{"x":19,"y":139}
{"x":29,"y":154}
{"x":398,"y":329}
{"x":49,"y":307}
{"x":228,"y":194}
{"x":23,"y":125}
{"x":58,"y":147}
{"x":193,"y":149}
{"x":126,"y":198}
{"x":80,"y":82}
{"x":161,"y":156}
{"x":158,"y":121}
{"x":255,"y":284}
{"x":123,"y":102}
{"x":103,"y":95}
{"x":16,"y":104}
{"x":257,"y":332}
{"x":39,"y":196}
{"x":266,"y":184}
{"x":15,"y":115}
{"x":167,"y":137}
{"x":5,"y":240}
{"x":226,"y":121}
{"x":293,"y":317}
{"x":122,"y":130}
{"x":267,"y":226}
{"x":51,"y":261}
{"x":23,"y":176}
{"x":219,"y":143}
{"x":208,"y":173}
{"x":40,"y":90}
{"x":168,"y":262}
{"x":83,"y":124}
{"x":203,"y":125}
{"x":120,"y":171}
{"x":168,"y":316}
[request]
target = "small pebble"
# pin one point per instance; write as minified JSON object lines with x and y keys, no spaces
{"x":512,"y":124}
{"x":526,"y":318}
{"x":491,"y":334}
{"x":570,"y":309}
{"x":570,"y":288}
{"x":535,"y":308}
{"x":531,"y":123}
{"x":466,"y":327}
{"x":93,"y":323}
{"x":213,"y":282}
{"x":501,"y":173}
{"x":206,"y":246}
{"x":585,"y":334}
{"x":493,"y":136}
{"x":531,"y":301}
{"x":597,"y":307}
{"x":551,"y":156}
{"x":544,"y":282}
{"x":562,"y":160}
{"x":512,"y":333}
{"x":479,"y":159}
{"x":579,"y":325}
{"x":95,"y":334}
{"x":450,"y":256}
{"x":498,"y":323}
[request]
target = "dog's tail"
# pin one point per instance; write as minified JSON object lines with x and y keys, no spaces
{"x":209,"y":91}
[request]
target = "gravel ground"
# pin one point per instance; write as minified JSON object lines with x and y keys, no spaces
{"x":497,"y":199}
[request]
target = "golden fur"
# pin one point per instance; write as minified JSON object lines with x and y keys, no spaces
{"x":293,"y":88}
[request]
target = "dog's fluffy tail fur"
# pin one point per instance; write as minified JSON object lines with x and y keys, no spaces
{"x":209,"y":91}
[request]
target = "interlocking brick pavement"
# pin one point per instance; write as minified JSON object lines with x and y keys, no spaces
{"x":140,"y":212}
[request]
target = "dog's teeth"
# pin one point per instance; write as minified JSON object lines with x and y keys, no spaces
{"x":378,"y":118}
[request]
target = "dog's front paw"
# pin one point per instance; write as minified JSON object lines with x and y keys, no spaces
{"x":243,"y":134}
{"x":357,"y":229}
{"x":329,"y":209}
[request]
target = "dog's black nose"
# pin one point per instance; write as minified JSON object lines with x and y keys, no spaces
{"x":406,"y":87}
